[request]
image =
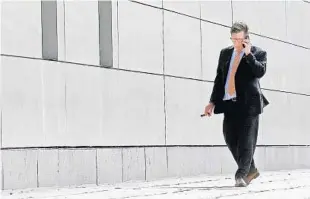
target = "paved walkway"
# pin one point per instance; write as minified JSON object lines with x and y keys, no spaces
{"x":282,"y":184}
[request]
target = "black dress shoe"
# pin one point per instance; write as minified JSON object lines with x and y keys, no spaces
{"x":241,"y":182}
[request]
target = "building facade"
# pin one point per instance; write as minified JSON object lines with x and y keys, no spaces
{"x":103,"y":92}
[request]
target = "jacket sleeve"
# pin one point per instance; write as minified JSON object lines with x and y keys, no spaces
{"x":257,"y":63}
{"x":217,"y":82}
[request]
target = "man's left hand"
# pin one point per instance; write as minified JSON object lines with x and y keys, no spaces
{"x":248,"y":45}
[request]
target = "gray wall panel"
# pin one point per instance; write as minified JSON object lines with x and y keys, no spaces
{"x":140,"y":50}
{"x":19,"y":169}
{"x":77,"y":167}
{"x":24,"y":39}
{"x":109,"y":165}
{"x":182,"y":45}
{"x":133,"y":164}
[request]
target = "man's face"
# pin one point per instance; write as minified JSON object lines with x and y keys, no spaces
{"x":237,"y":39}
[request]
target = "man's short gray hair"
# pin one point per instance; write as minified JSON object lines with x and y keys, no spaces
{"x":238,"y":27}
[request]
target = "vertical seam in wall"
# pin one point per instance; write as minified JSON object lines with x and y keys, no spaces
{"x":58,"y":176}
{"x":144,"y":164}
{"x":232,"y":12}
{"x":64,"y":28}
{"x":2,"y":172}
{"x":265,"y":158}
{"x":117,"y":22}
{"x":42,"y":98}
{"x":97,"y":180}
{"x":164,"y":78}
{"x":37,"y":155}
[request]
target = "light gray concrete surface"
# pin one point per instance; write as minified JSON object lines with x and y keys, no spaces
{"x":19,"y":169}
{"x":66,"y":167}
{"x":182,"y":45}
{"x":156,"y":3}
{"x":134,"y":164}
{"x":280,"y":184}
{"x":126,"y":102}
{"x":83,"y":105}
{"x":48,"y":168}
{"x":61,"y":30}
{"x":25,"y":38}
{"x":210,"y":12}
{"x":298,"y":13}
{"x":156,"y":163}
{"x":217,"y":37}
{"x":184,"y":124}
{"x":187,"y":161}
{"x":262,"y":17}
{"x":140,"y":50}
{"x":77,"y":167}
{"x":22,"y":102}
{"x":109,"y":165}
{"x":184,"y":7}
{"x":82,"y":32}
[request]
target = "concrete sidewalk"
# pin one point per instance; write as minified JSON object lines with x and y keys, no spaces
{"x":281,"y":184}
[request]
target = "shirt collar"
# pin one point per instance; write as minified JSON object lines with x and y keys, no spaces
{"x":240,"y":52}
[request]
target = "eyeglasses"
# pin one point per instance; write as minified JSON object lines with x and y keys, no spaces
{"x":236,"y":39}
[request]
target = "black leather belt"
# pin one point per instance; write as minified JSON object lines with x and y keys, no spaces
{"x":232,"y":100}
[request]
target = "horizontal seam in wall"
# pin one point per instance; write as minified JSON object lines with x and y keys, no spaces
{"x":215,"y":23}
{"x":142,"y":72}
{"x":137,"y":146}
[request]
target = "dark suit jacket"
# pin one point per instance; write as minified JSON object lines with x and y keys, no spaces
{"x":249,"y":95}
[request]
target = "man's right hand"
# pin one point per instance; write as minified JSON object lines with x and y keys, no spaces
{"x":209,"y":109}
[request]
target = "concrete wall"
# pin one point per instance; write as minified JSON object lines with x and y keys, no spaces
{"x":104,"y":111}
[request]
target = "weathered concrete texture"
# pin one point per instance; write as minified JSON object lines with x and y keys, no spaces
{"x":59,"y":167}
{"x":109,"y":166}
{"x":133,"y":164}
{"x":283,"y":184}
{"x":77,"y":167}
{"x":48,"y":168}
{"x":185,"y":161}
{"x":156,"y":163}
{"x":19,"y":169}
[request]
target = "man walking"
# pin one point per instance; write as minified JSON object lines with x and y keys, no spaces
{"x":237,"y":94}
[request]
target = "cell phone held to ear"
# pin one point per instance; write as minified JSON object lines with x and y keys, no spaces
{"x":246,"y":37}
